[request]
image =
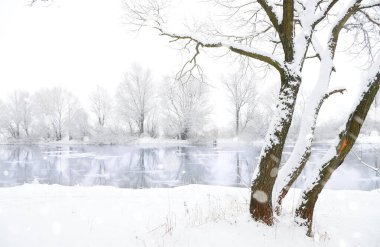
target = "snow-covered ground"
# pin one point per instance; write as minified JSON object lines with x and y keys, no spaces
{"x":52,"y":215}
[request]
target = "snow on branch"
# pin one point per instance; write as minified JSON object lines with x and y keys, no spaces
{"x":369,"y":18}
{"x":342,"y":90}
{"x":364,"y":163}
{"x":234,"y":47}
{"x":350,"y":9}
{"x":370,"y":5}
{"x":271,"y":12}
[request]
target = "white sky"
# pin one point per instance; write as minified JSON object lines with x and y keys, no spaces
{"x":79,"y":44}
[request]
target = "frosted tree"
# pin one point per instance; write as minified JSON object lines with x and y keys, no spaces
{"x":101,"y":104}
{"x":2,"y":119}
{"x":243,"y":97}
{"x":185,"y":105}
{"x":282,"y":35}
{"x":136,"y":97}
{"x":80,"y":126}
{"x":26,"y":113}
{"x":18,"y":115}
{"x":56,"y":108}
{"x":13,"y":123}
{"x":152,"y":123}
{"x":74,"y":113}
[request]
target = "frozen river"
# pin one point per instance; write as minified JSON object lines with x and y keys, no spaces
{"x":143,"y":167}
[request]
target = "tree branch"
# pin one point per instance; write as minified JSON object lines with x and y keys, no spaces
{"x":324,"y":13}
{"x":234,"y":47}
{"x":271,"y":14}
{"x":370,"y":5}
{"x":327,"y":95}
{"x":369,"y":18}
{"x":340,"y":24}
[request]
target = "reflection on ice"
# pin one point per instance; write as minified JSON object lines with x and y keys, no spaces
{"x":137,"y":167}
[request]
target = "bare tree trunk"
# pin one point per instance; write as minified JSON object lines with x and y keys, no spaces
{"x":270,"y":158}
{"x":336,"y":155}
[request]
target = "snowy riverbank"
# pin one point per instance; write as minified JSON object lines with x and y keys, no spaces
{"x":168,"y":142}
{"x":53,"y":215}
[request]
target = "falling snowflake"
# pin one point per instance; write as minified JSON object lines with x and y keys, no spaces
{"x":260,"y":196}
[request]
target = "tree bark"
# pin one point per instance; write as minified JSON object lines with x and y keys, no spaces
{"x":270,"y":158}
{"x":337,"y":154}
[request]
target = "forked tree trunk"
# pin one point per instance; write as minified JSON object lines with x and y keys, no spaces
{"x":300,"y":159}
{"x":302,"y":150}
{"x":270,"y":158}
{"x":336,"y":155}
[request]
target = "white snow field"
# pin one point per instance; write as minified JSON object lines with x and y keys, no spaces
{"x":36,"y":215}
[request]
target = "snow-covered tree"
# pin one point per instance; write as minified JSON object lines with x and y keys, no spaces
{"x":341,"y":147}
{"x":26,"y":113}
{"x":2,"y":119}
{"x":101,"y":104}
{"x":282,"y":35}
{"x":18,"y":114}
{"x":350,"y":17}
{"x":79,"y":124}
{"x":243,"y":96}
{"x":136,"y":98}
{"x":185,"y":105}
{"x":56,"y":108}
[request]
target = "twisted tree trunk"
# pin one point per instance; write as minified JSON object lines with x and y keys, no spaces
{"x":336,"y":155}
